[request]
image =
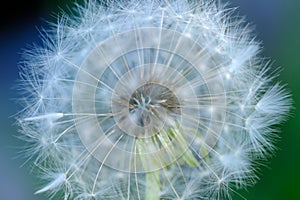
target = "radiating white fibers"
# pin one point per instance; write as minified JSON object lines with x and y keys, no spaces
{"x":151,"y":100}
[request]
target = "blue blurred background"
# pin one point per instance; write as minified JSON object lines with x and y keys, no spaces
{"x":277,"y":24}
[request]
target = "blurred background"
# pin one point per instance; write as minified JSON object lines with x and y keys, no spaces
{"x":277,"y":24}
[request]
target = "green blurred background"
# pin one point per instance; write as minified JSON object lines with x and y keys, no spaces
{"x":277,"y":25}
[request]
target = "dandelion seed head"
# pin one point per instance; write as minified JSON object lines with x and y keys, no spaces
{"x":149,"y":100}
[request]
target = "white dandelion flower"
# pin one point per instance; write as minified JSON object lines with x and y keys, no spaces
{"x":150,"y":100}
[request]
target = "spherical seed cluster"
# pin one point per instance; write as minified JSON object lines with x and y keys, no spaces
{"x":150,"y":100}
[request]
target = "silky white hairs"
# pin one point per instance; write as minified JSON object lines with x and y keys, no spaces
{"x":149,"y":100}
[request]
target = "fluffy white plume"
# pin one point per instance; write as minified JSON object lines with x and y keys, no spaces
{"x":151,"y":100}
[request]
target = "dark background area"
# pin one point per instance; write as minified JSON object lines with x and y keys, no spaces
{"x":13,"y":13}
{"x":277,"y":24}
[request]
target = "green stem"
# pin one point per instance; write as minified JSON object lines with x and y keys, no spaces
{"x":174,"y":143}
{"x":152,"y":186}
{"x":152,"y":179}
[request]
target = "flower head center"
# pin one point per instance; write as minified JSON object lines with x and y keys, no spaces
{"x":148,"y":101}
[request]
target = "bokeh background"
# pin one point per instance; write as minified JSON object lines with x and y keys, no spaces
{"x":277,"y":24}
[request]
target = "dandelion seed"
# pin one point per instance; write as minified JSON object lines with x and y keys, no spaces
{"x":149,"y":100}
{"x":56,"y":182}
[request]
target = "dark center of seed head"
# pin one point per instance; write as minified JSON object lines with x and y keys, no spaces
{"x":150,"y":103}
